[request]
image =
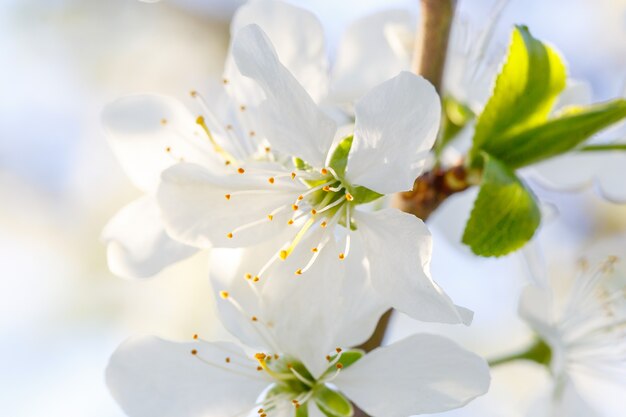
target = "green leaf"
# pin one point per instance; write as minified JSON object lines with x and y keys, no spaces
{"x":558,"y":135}
{"x":505,"y":214}
{"x":524,"y":94}
{"x":339,"y":158}
{"x":607,"y":147}
{"x":456,"y":115}
{"x":332,"y":403}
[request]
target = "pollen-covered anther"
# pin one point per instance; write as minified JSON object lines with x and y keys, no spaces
{"x":252,"y":133}
{"x":313,"y":212}
{"x":254,"y":318}
{"x":242,"y":108}
{"x":294,"y":207}
{"x":324,"y":171}
{"x":248,"y":276}
{"x":194,"y":352}
{"x":270,"y":217}
{"x":260,"y":411}
{"x":227,"y":196}
{"x":168,"y":149}
{"x":290,"y":222}
{"x":195,"y":337}
{"x":296,"y":403}
{"x":163,"y":122}
{"x":314,"y":249}
{"x":193,"y":93}
{"x":339,"y":365}
{"x":271,"y":180}
{"x":328,"y":358}
{"x":259,"y":368}
{"x":260,"y":356}
{"x":338,"y":350}
{"x":241,"y":170}
{"x":300,"y":197}
{"x":229,"y":235}
{"x":227,"y":162}
{"x":224,"y":294}
{"x":293,"y":175}
{"x":349,"y":197}
{"x":227,"y":360}
{"x":323,"y":224}
{"x":268,"y":149}
{"x":283,"y":254}
{"x":225,"y":81}
{"x":342,"y":256}
{"x":256,"y":279}
{"x":326,"y":188}
{"x":299,"y":272}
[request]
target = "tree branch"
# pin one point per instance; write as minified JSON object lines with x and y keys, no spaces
{"x":432,"y":188}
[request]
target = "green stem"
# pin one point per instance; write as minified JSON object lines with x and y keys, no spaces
{"x":539,"y":352}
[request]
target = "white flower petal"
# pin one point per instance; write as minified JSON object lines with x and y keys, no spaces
{"x":420,"y":374}
{"x":297,"y":36}
{"x":137,"y":245}
{"x":399,"y":247}
{"x":196,"y":211}
{"x":290,"y":120}
{"x":366,"y":41}
{"x":150,"y":377}
{"x":141,"y":128}
{"x":396,"y":125}
{"x":577,"y":171}
{"x":328,"y":306}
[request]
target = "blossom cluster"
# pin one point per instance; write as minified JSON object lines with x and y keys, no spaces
{"x":284,"y":177}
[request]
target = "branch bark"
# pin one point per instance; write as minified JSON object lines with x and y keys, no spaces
{"x":432,"y":188}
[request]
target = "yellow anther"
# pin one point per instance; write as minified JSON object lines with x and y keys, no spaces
{"x":339,"y":365}
{"x":313,"y":212}
{"x":326,"y":188}
{"x":248,"y":276}
{"x":338,"y":350}
{"x":241,"y":170}
{"x":324,"y":171}
{"x":349,"y":197}
{"x":271,"y":180}
{"x":270,"y":217}
{"x":227,"y":196}
{"x":290,"y":222}
{"x":229,"y":235}
{"x":267,"y":149}
{"x":256,"y":279}
{"x":328,"y":358}
{"x":227,"y":162}
{"x":261,"y":411}
{"x":260,"y":356}
{"x":163,"y":122}
{"x":254,"y":318}
{"x":225,"y":81}
{"x":294,"y":207}
{"x":300,"y":197}
{"x":224,"y":294}
{"x":194,"y":352}
{"x":242,"y":108}
{"x":168,"y":149}
{"x":299,"y":272}
{"x":283,"y":254}
{"x":195,"y":337}
{"x":342,"y":256}
{"x":227,"y":360}
{"x":193,"y":93}
{"x":259,"y":368}
{"x":323,"y":224}
{"x":314,"y":250}
{"x":293,"y":175}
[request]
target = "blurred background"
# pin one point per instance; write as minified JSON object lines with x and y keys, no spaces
{"x":62,"y":313}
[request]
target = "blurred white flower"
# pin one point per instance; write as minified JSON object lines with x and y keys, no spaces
{"x":577,"y":170}
{"x":292,"y":361}
{"x":307,"y":186}
{"x":583,"y":323}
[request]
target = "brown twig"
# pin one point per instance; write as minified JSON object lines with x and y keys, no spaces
{"x":433,"y":187}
